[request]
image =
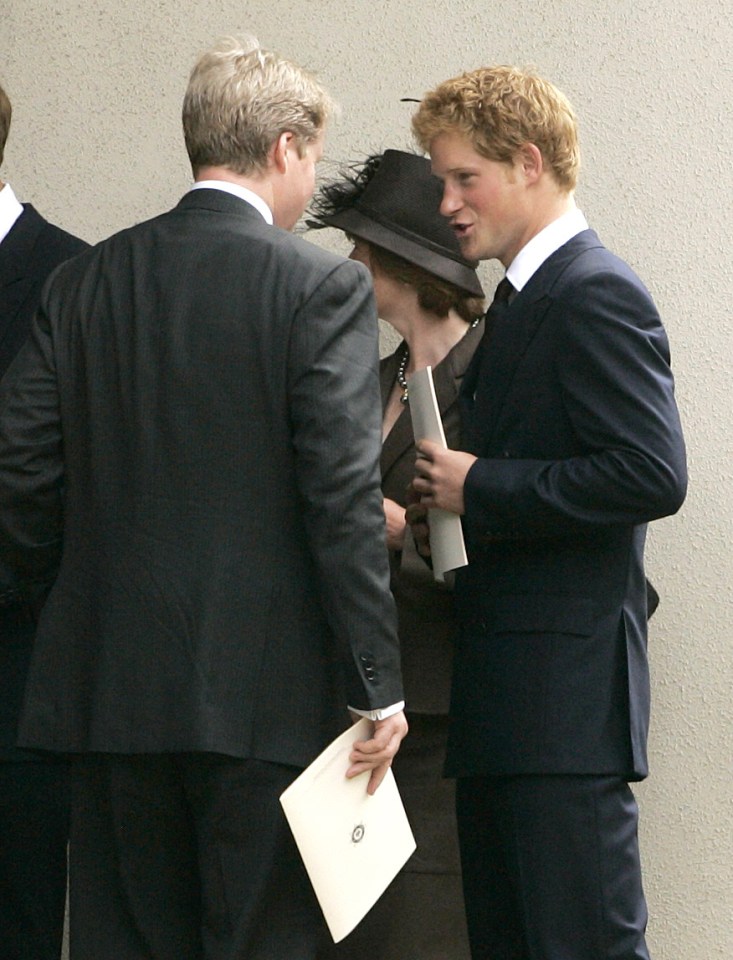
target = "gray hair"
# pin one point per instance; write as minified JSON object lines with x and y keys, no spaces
{"x":240,"y":98}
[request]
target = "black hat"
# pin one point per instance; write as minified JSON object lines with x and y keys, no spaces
{"x":398,"y":210}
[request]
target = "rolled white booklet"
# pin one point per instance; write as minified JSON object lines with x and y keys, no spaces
{"x":447,"y":547}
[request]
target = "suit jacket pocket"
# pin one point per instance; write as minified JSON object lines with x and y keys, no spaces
{"x":527,"y":673}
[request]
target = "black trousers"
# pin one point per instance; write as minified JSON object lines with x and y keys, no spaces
{"x":551,"y":868}
{"x":34,"y":830}
{"x":189,"y":856}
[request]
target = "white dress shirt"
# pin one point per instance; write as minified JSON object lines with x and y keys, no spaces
{"x":238,"y":191}
{"x":10,"y":210}
{"x":533,"y":254}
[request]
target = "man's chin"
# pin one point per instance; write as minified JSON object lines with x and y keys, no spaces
{"x":467,"y":248}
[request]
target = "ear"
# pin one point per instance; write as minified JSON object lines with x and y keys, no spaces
{"x":530,"y":161}
{"x":279,"y":151}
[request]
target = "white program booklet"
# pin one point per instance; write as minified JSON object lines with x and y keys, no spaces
{"x":447,"y":547}
{"x":352,"y":845}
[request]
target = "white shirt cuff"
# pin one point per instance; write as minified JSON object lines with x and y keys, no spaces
{"x":381,"y":713}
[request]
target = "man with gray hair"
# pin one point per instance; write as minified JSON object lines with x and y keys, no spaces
{"x":193,"y":434}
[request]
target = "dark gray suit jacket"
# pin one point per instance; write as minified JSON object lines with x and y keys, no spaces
{"x":570,"y":409}
{"x":28,"y":254}
{"x":193,"y":431}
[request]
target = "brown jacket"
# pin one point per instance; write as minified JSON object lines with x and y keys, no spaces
{"x":424,"y":607}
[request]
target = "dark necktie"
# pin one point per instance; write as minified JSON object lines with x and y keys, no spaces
{"x":498,"y":306}
{"x":503,"y":292}
{"x":503,"y":295}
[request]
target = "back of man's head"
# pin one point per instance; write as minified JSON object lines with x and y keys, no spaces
{"x":499,"y":109}
{"x":240,"y":98}
{"x":6,"y":112}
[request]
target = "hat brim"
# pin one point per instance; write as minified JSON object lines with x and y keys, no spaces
{"x":357,"y":224}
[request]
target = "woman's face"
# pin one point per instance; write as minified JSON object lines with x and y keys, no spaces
{"x":388,"y":292}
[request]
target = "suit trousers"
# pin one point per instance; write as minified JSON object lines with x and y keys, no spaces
{"x":186,"y":855}
{"x":551,"y":868}
{"x":34,"y":827}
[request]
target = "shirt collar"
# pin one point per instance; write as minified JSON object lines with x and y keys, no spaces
{"x":533,"y":254}
{"x":10,"y":210}
{"x":238,"y":191}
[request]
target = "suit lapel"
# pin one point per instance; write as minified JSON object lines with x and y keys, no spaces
{"x":514,"y":328}
{"x":399,"y":438}
{"x":17,"y":247}
{"x":489,"y":380}
{"x":448,"y":376}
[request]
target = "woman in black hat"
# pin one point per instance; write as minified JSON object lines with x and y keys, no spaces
{"x":432,"y":297}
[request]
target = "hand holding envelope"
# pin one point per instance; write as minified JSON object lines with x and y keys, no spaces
{"x":353,"y":843}
{"x":376,"y":754}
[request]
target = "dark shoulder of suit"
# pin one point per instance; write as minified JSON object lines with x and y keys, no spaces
{"x":28,"y":255}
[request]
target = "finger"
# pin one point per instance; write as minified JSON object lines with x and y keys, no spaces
{"x":380,"y":749}
{"x":426,"y":449}
{"x":364,"y":765}
{"x":423,"y":548}
{"x":423,"y":485}
{"x":376,"y":748}
{"x":376,"y":778}
{"x":416,"y":513}
{"x":356,"y":769}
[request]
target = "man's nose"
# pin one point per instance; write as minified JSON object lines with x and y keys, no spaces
{"x":450,"y":202}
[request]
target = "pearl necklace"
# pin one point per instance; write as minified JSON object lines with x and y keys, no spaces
{"x":402,"y":374}
{"x":405,"y":359}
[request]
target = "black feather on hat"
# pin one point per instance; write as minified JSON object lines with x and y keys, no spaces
{"x":393,"y":201}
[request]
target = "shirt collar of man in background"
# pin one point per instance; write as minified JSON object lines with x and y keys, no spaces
{"x":10,"y":210}
{"x":242,"y":192}
{"x":533,"y":254}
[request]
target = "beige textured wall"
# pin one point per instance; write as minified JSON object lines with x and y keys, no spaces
{"x":95,"y":145}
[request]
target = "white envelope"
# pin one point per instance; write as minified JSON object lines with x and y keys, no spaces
{"x":352,"y":845}
{"x":447,"y":547}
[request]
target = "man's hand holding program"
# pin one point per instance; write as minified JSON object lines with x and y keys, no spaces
{"x":377,"y":754}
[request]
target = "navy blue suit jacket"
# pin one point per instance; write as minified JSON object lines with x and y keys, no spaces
{"x":570,"y":408}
